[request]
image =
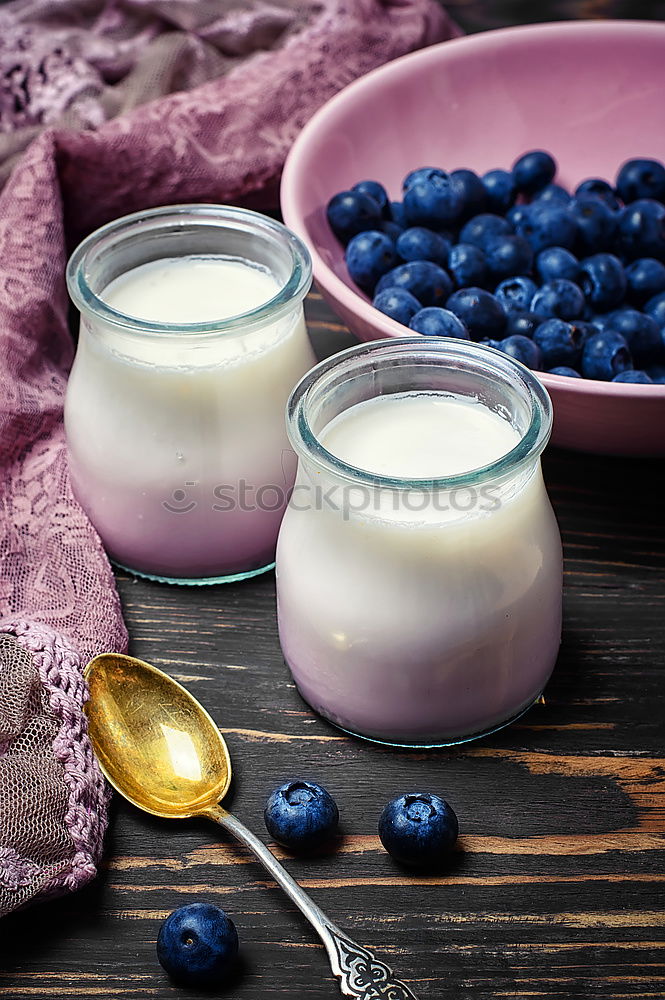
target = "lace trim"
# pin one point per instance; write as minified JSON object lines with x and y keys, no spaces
{"x":60,"y":670}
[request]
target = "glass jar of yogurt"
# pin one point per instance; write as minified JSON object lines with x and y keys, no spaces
{"x":192,"y":336}
{"x":419,"y":568}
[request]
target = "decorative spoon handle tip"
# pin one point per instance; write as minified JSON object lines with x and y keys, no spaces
{"x":361,"y":974}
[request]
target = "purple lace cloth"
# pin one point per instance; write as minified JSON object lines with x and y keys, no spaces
{"x":77,"y":63}
{"x":268,"y":67}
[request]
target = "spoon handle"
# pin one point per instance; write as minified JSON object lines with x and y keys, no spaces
{"x":360,"y":974}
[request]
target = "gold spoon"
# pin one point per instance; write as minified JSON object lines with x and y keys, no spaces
{"x":160,"y":749}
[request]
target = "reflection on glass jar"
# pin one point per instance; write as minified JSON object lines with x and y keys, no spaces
{"x":419,"y":570}
{"x":192,"y":336}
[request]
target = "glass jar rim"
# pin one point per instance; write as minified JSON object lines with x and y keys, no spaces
{"x":526,"y":451}
{"x":150,"y":220}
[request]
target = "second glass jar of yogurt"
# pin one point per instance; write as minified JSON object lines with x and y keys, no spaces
{"x":192,"y":336}
{"x":419,"y":566}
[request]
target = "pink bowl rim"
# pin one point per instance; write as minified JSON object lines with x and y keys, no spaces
{"x":317,"y":126}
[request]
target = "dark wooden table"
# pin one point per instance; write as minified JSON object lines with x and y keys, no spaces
{"x":556,"y":890}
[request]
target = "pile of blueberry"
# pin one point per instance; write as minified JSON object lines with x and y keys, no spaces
{"x":569,"y":284}
{"x":198,"y":944}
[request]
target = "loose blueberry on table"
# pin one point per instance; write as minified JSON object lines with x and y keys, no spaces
{"x":301,"y":815}
{"x":570,"y":283}
{"x":418,"y":829}
{"x":198,"y":945}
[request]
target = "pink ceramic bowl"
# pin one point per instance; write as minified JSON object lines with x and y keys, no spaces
{"x":590,"y":92}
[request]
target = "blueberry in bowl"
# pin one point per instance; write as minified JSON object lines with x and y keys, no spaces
{"x":376,"y":191}
{"x":560,"y":343}
{"x":434,"y":198}
{"x":487,"y":137}
{"x":605,"y":355}
{"x":556,"y":262}
{"x":500,"y":190}
{"x":523,"y":349}
{"x":515,"y":294}
{"x":473,"y":191}
{"x":435,"y":322}
{"x":596,"y":225}
{"x":479,"y":310}
{"x":597,"y":187}
{"x":398,"y":215}
{"x":392,"y":230}
{"x":560,"y":297}
{"x":534,"y":171}
{"x":420,"y":243}
{"x":655,"y":308}
{"x":548,"y":226}
{"x":398,"y":303}
{"x":507,"y":256}
{"x":467,"y":265}
{"x":641,"y":230}
{"x":421,"y":175}
{"x":369,"y":256}
{"x":643,"y":178}
{"x":524,"y":324}
{"x":645,"y":277}
{"x":603,"y":281}
{"x":552,"y":194}
{"x":518,"y":214}
{"x":428,"y":282}
{"x":484,"y":227}
{"x":352,"y":212}
{"x":640,"y":331}
{"x":636,"y":377}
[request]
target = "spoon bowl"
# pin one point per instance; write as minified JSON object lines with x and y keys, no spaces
{"x":155,"y":743}
{"x":161,"y":750}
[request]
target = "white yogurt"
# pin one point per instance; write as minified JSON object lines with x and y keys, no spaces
{"x":419,"y":436}
{"x":193,"y":289}
{"x":177,"y":443}
{"x":417,"y":616}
